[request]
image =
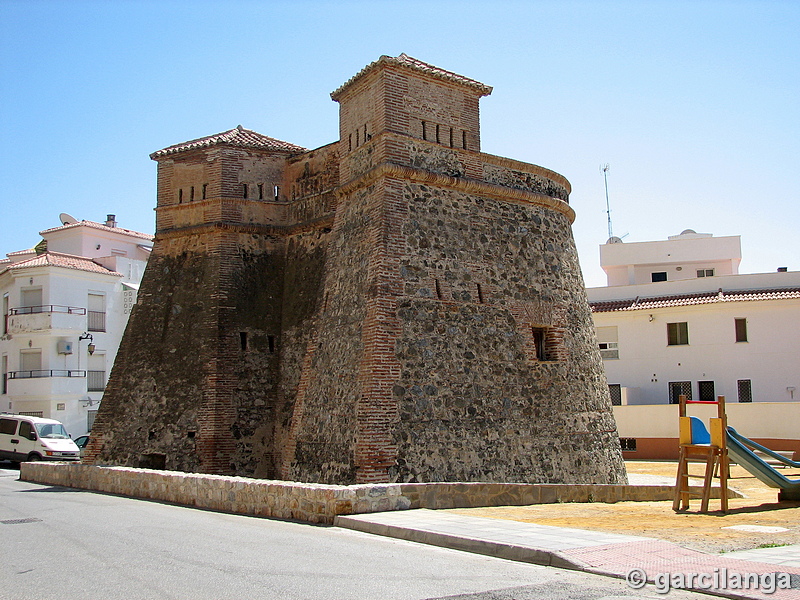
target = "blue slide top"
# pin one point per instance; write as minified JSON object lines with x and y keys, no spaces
{"x":740,"y":449}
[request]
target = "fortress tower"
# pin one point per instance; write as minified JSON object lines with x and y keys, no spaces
{"x":395,"y":306}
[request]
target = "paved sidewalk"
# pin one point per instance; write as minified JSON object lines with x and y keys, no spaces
{"x":596,"y":552}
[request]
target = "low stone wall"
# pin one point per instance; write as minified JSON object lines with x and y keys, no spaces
{"x":319,"y":503}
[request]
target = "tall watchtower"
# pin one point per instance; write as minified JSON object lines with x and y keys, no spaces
{"x":394,"y":306}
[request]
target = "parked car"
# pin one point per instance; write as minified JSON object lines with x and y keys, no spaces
{"x":28,"y":439}
{"x":81,"y":443}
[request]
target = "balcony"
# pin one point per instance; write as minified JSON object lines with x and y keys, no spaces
{"x":46,"y":382}
{"x":47,"y":318}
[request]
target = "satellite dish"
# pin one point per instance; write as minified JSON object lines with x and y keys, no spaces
{"x":614,"y":240}
{"x":67,"y":219}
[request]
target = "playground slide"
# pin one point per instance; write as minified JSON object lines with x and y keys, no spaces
{"x":740,"y":450}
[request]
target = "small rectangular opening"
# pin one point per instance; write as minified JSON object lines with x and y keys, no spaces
{"x":205,"y":190}
{"x":153,"y":461}
{"x":243,"y":340}
{"x":538,"y":342}
{"x":271,"y":343}
{"x":480,"y":293}
{"x":741,"y":329}
{"x":277,"y":191}
{"x":628,"y":444}
{"x":260,"y":191}
{"x":438,"y":289}
{"x":244,"y":190}
{"x":423,"y":131}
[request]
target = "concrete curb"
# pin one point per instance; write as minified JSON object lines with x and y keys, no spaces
{"x":466,"y":544}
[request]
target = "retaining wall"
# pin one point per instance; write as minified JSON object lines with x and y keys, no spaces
{"x":318,"y":503}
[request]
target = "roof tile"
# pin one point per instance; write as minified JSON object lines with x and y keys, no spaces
{"x":238,"y":136}
{"x":417,"y":65}
{"x":693,"y":299}
{"x":58,"y":259}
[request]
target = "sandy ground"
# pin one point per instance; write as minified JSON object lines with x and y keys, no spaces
{"x":705,"y":532}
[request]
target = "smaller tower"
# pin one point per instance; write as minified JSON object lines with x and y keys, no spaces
{"x":195,"y":385}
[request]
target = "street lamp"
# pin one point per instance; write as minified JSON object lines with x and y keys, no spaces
{"x":91,"y":346}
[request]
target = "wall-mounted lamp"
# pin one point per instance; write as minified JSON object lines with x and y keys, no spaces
{"x":87,"y":402}
{"x":651,"y":318}
{"x":791,"y":390}
{"x":91,"y":346}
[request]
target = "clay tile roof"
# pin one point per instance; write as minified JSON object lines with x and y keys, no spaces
{"x":102,"y":226}
{"x":694,"y":299}
{"x":417,"y":65}
{"x":238,"y":136}
{"x":58,"y":259}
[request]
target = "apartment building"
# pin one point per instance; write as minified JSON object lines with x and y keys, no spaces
{"x":676,"y":318}
{"x":65,"y":306}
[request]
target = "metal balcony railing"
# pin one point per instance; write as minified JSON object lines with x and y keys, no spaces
{"x":96,"y":320}
{"x":47,"y":308}
{"x":96,"y":381}
{"x":38,"y":373}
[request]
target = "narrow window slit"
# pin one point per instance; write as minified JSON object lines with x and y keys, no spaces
{"x":191,"y":194}
{"x":480,"y":293}
{"x":244,"y":191}
{"x":243,"y":340}
{"x":260,"y":191}
{"x":438,"y":289}
{"x":271,"y":343}
{"x":205,"y":190}
{"x":423,"y":131}
{"x":277,"y":191}
{"x":437,"y":134}
{"x":180,"y":196}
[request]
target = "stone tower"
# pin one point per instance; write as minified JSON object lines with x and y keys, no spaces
{"x":395,"y":306}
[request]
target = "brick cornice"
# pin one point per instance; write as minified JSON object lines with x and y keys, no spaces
{"x":469,"y":186}
{"x":277,"y":230}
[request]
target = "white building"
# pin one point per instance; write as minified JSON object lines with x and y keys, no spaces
{"x":65,"y":307}
{"x":678,"y":318}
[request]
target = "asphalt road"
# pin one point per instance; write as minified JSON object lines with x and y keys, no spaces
{"x":59,"y":543}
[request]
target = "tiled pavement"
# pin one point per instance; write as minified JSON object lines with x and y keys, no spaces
{"x":591,"y":551}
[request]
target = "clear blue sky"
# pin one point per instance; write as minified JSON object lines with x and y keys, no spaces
{"x":695,"y":105}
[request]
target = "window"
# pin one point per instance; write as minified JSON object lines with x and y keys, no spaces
{"x":539,"y":342}
{"x":741,"y":329}
{"x":628,"y":444}
{"x":705,"y":272}
{"x":677,"y":334}
{"x":705,"y":390}
{"x":30,"y":363}
{"x":96,"y":373}
{"x":660,"y":276}
{"x":679,"y":388}
{"x":615,"y":391}
{"x":8,"y":426}
{"x":5,"y":374}
{"x":96,"y":313}
{"x":745,"y":389}
{"x":31,"y":300}
{"x":5,"y":314}
{"x":607,"y":340}
{"x":26,"y":430}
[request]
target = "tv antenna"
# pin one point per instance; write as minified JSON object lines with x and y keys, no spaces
{"x":605,"y":168}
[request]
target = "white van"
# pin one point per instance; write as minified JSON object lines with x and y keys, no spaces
{"x":25,"y":438}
